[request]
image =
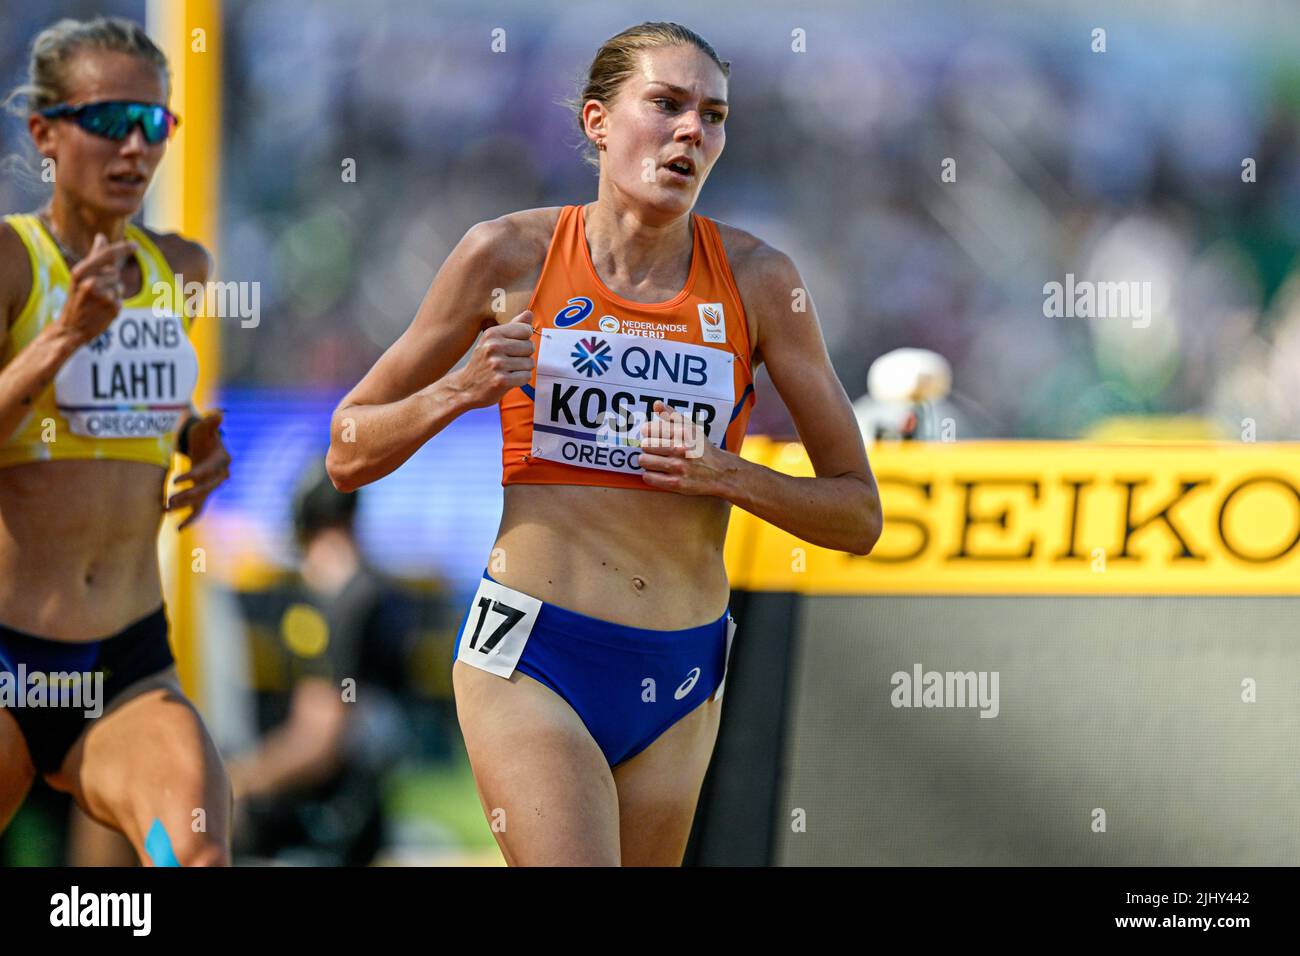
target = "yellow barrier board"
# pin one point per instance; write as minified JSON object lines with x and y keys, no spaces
{"x":1048,"y":518}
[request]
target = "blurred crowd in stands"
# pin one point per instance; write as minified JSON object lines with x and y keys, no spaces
{"x":1112,"y":157}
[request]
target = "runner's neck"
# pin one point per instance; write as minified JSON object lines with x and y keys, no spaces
{"x":633,"y":253}
{"x":74,"y":227}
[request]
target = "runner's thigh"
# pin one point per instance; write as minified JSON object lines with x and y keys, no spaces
{"x":659,"y":788}
{"x":545,"y":785}
{"x":16,"y":769}
{"x":149,"y":758}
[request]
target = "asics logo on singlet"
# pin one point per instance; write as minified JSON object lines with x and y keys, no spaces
{"x":102,"y":341}
{"x":577,"y":309}
{"x":592,"y":356}
{"x":687,"y":684}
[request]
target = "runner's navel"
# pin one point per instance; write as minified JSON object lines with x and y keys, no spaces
{"x":638,"y":582}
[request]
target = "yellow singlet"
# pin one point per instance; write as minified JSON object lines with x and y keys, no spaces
{"x":120,"y":396}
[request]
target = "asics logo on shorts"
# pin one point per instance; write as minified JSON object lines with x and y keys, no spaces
{"x":687,"y":684}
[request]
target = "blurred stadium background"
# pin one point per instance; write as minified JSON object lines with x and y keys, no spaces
{"x":1118,"y":164}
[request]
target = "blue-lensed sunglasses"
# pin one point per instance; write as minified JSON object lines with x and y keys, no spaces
{"x":114,"y":119}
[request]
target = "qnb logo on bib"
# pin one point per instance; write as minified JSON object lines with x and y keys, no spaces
{"x":134,"y":380}
{"x":594,"y":392}
{"x":591,"y":357}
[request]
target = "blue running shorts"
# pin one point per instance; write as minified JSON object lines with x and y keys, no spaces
{"x":627,"y":684}
{"x":137,"y":651}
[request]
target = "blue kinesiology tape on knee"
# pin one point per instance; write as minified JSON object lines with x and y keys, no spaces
{"x":159,"y":846}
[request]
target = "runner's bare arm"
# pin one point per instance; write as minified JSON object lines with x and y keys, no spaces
{"x":90,"y":308}
{"x":410,"y":394}
{"x":840,"y":508}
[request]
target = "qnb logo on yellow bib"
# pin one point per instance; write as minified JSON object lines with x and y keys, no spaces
{"x":595,"y":390}
{"x":132,"y":381}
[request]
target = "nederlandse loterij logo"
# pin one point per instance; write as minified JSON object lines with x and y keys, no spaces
{"x":592,"y":356}
{"x":713,"y":323}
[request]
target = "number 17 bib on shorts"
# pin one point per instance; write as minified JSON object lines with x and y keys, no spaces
{"x":497,"y":628}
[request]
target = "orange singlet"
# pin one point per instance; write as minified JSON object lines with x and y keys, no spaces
{"x":603,"y":360}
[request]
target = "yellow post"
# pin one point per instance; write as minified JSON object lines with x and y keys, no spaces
{"x":184,"y":199}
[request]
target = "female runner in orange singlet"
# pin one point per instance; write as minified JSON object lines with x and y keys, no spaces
{"x":589,"y":668}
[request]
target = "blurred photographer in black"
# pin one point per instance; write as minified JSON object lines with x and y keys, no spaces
{"x":327,"y":680}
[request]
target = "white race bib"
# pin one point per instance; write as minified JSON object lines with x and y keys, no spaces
{"x":134,"y":380}
{"x":726,"y":663}
{"x":595,"y":390}
{"x":497,"y":628}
